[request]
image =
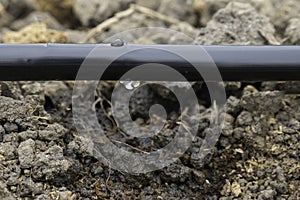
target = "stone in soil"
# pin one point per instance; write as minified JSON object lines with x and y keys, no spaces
{"x":207,"y":8}
{"x":236,"y":24}
{"x":279,"y":13}
{"x":93,"y":12}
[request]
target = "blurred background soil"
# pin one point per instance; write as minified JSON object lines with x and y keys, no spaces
{"x":257,"y":156}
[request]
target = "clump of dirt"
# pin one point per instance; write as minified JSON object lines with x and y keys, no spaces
{"x":237,"y":24}
{"x":207,"y":8}
{"x":60,"y":9}
{"x":282,"y":13}
{"x":17,"y":8}
{"x":36,"y":16}
{"x":5,"y":17}
{"x":91,"y":13}
{"x":278,"y":12}
{"x":292,"y":31}
{"x":35,"y":33}
{"x":179,"y":9}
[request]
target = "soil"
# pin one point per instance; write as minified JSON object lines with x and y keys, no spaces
{"x":42,"y":156}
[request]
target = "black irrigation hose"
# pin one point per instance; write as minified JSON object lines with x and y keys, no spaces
{"x":62,"y":61}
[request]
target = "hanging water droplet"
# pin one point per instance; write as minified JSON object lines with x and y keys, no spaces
{"x":135,"y":84}
{"x":130,"y":85}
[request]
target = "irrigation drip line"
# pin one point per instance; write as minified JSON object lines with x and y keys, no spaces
{"x":62,"y":61}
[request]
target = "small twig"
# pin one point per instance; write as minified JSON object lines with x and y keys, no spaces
{"x":269,"y":38}
{"x":95,"y":103}
{"x":108,"y":177}
{"x":153,"y":14}
{"x":106,"y":24}
{"x":134,"y":148}
{"x":132,"y":9}
{"x":100,"y":100}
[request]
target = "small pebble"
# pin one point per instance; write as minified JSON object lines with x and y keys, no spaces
{"x":10,"y":127}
